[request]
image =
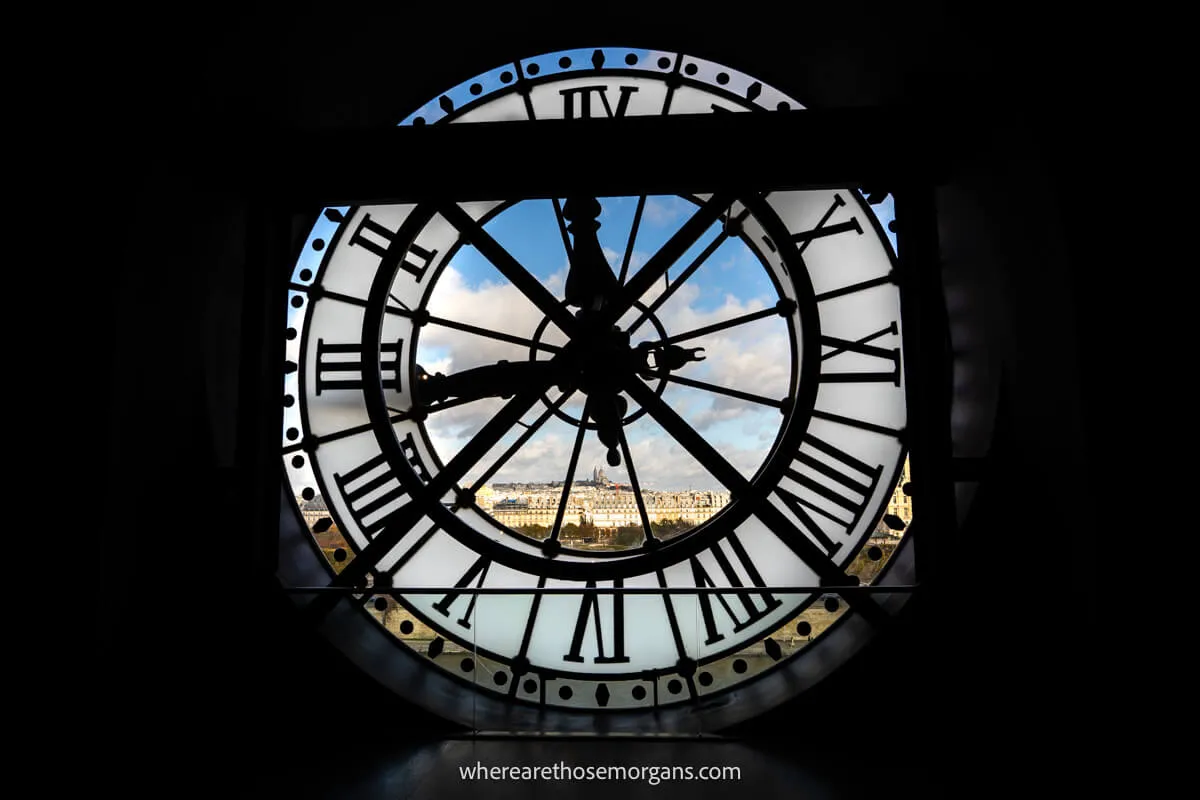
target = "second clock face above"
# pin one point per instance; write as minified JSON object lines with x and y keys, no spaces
{"x":632,"y":396}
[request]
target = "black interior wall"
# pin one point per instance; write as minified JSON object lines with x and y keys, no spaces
{"x":217,"y":651}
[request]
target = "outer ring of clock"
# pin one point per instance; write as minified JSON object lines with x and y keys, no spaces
{"x":410,"y":675}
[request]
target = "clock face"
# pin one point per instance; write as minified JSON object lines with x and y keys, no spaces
{"x":581,"y":453}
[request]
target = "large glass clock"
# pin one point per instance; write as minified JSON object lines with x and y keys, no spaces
{"x":589,"y":457}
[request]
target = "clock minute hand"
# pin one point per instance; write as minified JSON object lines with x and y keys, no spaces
{"x":491,"y":380}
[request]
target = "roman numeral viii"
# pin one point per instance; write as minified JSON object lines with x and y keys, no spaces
{"x":373,"y":493}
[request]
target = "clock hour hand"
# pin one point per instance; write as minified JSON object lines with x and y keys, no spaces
{"x":590,"y":281}
{"x":491,"y":380}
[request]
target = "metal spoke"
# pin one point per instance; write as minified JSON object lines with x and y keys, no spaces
{"x":669,"y":253}
{"x":442,"y":321}
{"x":491,"y":334}
{"x":566,"y":492}
{"x":402,"y":416}
{"x":562,"y":227}
{"x":753,"y":316}
{"x":530,"y":430}
{"x":637,"y":489}
{"x":633,"y":231}
{"x":404,"y":518}
{"x":333,"y":437}
{"x":509,"y":267}
{"x":673,"y":286}
{"x":712,"y":387}
{"x":858,"y":423}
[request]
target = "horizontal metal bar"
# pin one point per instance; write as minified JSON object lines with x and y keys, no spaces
{"x":633,"y":155}
{"x":553,"y":590}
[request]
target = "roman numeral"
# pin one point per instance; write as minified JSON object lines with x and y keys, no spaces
{"x":840,"y":346}
{"x":584,"y":96}
{"x":836,"y":485}
{"x":805,"y":238}
{"x":476,"y":574}
{"x":589,"y":609}
{"x":376,"y":238}
{"x":753,"y":606}
{"x":332,"y":372}
{"x":372,"y":491}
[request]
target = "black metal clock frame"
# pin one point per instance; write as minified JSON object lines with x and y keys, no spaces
{"x":615,"y":167}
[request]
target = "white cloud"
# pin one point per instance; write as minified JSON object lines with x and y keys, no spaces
{"x":661,"y":213}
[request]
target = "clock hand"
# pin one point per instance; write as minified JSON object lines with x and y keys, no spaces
{"x":666,"y":357}
{"x":607,"y":410}
{"x":590,"y":281}
{"x":491,"y":380}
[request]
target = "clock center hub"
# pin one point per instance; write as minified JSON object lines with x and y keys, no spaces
{"x":605,"y":362}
